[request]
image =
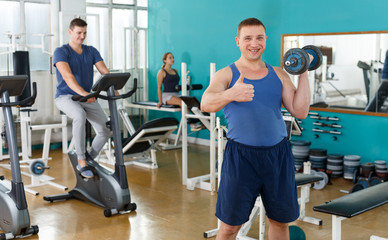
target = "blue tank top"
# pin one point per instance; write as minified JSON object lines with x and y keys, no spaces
{"x":170,"y":81}
{"x":259,"y":122}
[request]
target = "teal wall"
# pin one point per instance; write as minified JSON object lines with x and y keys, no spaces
{"x":360,"y":135}
{"x":199,"y":32}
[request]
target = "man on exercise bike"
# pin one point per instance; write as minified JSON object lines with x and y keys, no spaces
{"x":74,"y":64}
{"x":258,"y":158}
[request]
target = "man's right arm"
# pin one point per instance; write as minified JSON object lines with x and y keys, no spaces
{"x":68,"y":77}
{"x":218,"y":95}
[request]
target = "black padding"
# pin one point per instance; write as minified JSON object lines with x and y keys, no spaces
{"x":13,"y":84}
{"x":21,"y":66}
{"x":302,"y":178}
{"x":192,"y":102}
{"x":143,"y":146}
{"x":356,"y":203}
{"x":189,"y":87}
{"x":153,"y":104}
{"x":118,"y":80}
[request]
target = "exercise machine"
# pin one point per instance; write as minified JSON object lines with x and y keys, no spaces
{"x":141,"y":145}
{"x":14,"y":216}
{"x":206,"y":181}
{"x":106,"y":189}
{"x":22,"y":67}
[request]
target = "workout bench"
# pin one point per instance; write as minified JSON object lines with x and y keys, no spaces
{"x":148,"y":105}
{"x":354,"y":204}
{"x":145,"y":139}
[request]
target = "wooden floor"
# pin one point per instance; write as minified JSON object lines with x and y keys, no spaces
{"x":166,"y":210}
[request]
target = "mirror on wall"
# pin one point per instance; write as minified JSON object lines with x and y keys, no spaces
{"x":350,"y":74}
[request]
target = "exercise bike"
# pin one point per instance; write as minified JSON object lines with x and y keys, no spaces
{"x":14,"y":216}
{"x":106,"y":189}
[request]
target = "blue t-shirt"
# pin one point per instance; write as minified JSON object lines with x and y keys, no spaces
{"x":260,"y":121}
{"x":81,"y":66}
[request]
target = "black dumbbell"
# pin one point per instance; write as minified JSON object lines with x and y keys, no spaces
{"x":296,"y":60}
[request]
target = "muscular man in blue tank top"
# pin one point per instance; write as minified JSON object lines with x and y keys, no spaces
{"x":258,"y":158}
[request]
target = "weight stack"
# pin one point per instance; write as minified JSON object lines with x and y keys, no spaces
{"x":351,"y":164}
{"x":318,"y":159}
{"x":381,"y":170}
{"x":21,"y":66}
{"x":335,"y":164}
{"x":300,"y":151}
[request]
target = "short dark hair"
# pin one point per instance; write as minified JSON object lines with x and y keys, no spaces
{"x":77,"y":22}
{"x":249,"y":22}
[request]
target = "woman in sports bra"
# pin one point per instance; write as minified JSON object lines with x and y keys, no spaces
{"x":168,"y":78}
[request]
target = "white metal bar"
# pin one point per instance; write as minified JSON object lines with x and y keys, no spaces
{"x":336,"y":227}
{"x":64,"y":133}
{"x":184,"y":124}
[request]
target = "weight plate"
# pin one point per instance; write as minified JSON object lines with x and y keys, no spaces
{"x":321,"y":184}
{"x":318,"y":152}
{"x":380,"y":162}
{"x":37,"y":167}
{"x":295,"y":61}
{"x":316,"y":53}
{"x":364,"y":183}
{"x":301,"y":143}
{"x":335,"y":161}
{"x":352,"y":157}
{"x":356,"y":188}
{"x":374,"y":181}
{"x":296,"y":233}
{"x":335,"y":156}
{"x":356,"y":175}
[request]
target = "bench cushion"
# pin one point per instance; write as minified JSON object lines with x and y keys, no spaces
{"x":153,"y":104}
{"x":356,"y":203}
{"x":302,"y":179}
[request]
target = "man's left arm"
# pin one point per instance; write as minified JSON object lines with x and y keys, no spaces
{"x":296,"y":100}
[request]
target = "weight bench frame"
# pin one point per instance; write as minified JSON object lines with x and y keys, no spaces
{"x":148,"y":105}
{"x":153,"y":135}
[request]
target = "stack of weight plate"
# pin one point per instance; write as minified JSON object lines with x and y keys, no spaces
{"x":318,"y":159}
{"x":335,"y":164}
{"x":351,"y":163}
{"x":300,"y":151}
{"x":381,"y":169}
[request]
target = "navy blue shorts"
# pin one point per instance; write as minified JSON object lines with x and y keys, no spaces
{"x":249,"y":171}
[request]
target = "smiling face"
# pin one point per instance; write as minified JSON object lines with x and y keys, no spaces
{"x":252,"y":41}
{"x":77,"y":35}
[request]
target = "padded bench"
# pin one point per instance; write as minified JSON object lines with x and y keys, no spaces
{"x":146,"y":138}
{"x":353,"y":204}
{"x":152,"y":106}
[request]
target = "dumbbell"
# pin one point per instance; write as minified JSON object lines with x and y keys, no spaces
{"x":296,"y":60}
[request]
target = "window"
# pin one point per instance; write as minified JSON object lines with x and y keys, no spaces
{"x":8,"y":10}
{"x":37,"y":26}
{"x":97,"y":19}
